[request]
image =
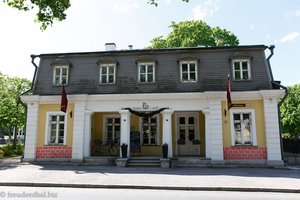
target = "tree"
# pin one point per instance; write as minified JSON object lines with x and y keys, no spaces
{"x":290,"y":112}
{"x":48,"y":10}
{"x":194,"y":33}
{"x":12,"y":114}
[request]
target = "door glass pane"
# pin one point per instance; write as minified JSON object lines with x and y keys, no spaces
{"x":109,"y":120}
{"x":117,"y":120}
{"x":181,"y":120}
{"x":191,"y":120}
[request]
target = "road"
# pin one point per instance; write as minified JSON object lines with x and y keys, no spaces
{"x":134,"y":194}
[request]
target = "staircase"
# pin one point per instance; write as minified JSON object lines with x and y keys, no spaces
{"x":143,"y":162}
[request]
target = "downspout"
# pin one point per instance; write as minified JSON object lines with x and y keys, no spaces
{"x":276,"y":83}
{"x":27,"y":91}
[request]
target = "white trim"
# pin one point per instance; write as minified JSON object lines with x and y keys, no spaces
{"x":48,"y":126}
{"x":104,"y":135}
{"x":241,"y":69}
{"x":196,"y":71}
{"x":107,"y":74}
{"x":157,"y":131}
{"x":146,"y":71}
{"x":253,"y":125}
{"x":60,"y":74}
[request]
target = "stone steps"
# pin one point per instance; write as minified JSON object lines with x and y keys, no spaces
{"x":143,"y":162}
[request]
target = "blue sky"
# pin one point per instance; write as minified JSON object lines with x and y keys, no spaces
{"x":91,"y":23}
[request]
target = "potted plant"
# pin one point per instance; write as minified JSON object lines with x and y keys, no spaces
{"x":1,"y":153}
{"x":165,"y":150}
{"x":124,"y":148}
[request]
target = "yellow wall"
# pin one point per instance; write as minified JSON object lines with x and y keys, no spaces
{"x":43,"y":109}
{"x":258,"y":107}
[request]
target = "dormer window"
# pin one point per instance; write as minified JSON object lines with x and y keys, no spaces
{"x":146,"y":72}
{"x":188,"y":71}
{"x":107,"y":73}
{"x":241,"y":69}
{"x":60,"y":74}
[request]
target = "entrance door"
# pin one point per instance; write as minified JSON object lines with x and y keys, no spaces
{"x":188,"y":143}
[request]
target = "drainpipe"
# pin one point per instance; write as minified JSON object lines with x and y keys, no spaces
{"x":278,"y":85}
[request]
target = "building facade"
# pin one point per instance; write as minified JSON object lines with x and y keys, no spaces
{"x":147,"y":98}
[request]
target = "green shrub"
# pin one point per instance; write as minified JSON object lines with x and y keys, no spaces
{"x":9,"y":150}
{"x":1,"y":152}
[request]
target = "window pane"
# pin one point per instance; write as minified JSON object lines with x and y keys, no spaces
{"x":184,"y":67}
{"x":191,"y":137}
{"x":109,"y":120}
{"x":192,"y":76}
{"x":237,"y":126}
{"x":237,"y":116}
{"x":117,"y":120}
{"x":150,"y":77}
{"x":236,"y":66}
{"x":111,"y":78}
{"x":64,"y":71}
{"x":237,"y":75}
{"x":181,"y":120}
{"x":143,"y":69}
{"x":53,"y":118}
{"x":184,"y":76}
{"x":153,"y":120}
{"x":104,"y":70}
{"x":238,"y":137}
{"x":111,"y":70}
{"x":150,"y":68}
{"x":103,"y":79}
{"x":142,"y":78}
{"x":245,"y":75}
{"x":191,"y":120}
{"x":245,"y":65}
{"x":61,"y":118}
{"x":192,"y":67}
{"x":191,"y":129}
{"x":181,"y":129}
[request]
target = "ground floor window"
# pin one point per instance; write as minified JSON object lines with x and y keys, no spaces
{"x":243,"y":127}
{"x":149,"y":130}
{"x":112,"y":129}
{"x":56,"y":132}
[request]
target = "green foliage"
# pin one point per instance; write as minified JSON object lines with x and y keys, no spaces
{"x":9,"y":150}
{"x":1,"y":152}
{"x":290,"y":112}
{"x":194,"y":33}
{"x":11,"y":113}
{"x":48,"y":10}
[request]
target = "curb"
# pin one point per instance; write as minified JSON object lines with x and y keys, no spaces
{"x":186,"y":188}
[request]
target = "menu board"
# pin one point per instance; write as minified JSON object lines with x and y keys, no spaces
{"x":135,"y":140}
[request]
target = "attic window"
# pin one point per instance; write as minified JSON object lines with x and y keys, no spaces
{"x":61,"y":69}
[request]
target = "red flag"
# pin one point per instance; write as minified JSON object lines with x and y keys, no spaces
{"x":64,"y":100}
{"x":229,"y":102}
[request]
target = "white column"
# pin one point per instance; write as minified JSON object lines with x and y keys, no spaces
{"x":31,"y":131}
{"x":87,"y":133}
{"x":167,"y":130}
{"x":78,"y":131}
{"x":215,"y":130}
{"x":207,"y":133}
{"x":272,"y":131}
{"x":125,"y":130}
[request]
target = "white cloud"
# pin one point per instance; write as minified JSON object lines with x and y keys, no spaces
{"x":255,"y":26}
{"x":207,"y":9}
{"x":295,"y":13}
{"x":168,"y":2}
{"x":289,"y":37}
{"x":125,"y":7}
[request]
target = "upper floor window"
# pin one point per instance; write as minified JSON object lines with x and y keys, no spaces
{"x":188,"y":71}
{"x":60,"y":75}
{"x":243,"y":131}
{"x":56,"y":131}
{"x":241,"y":69}
{"x":107,"y":73}
{"x":146,"y":72}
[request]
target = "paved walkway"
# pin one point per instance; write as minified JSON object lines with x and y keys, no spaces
{"x":12,"y":172}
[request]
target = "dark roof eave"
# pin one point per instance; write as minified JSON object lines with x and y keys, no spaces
{"x":263,"y":47}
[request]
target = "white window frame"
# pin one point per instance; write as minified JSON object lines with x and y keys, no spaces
{"x":157,"y":131}
{"x":241,"y":69}
{"x":61,"y":67}
{"x":104,"y":136}
{"x":146,"y":72}
{"x":107,"y":73}
{"x":48,"y":128}
{"x":253,"y":126}
{"x":189,"y":74}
